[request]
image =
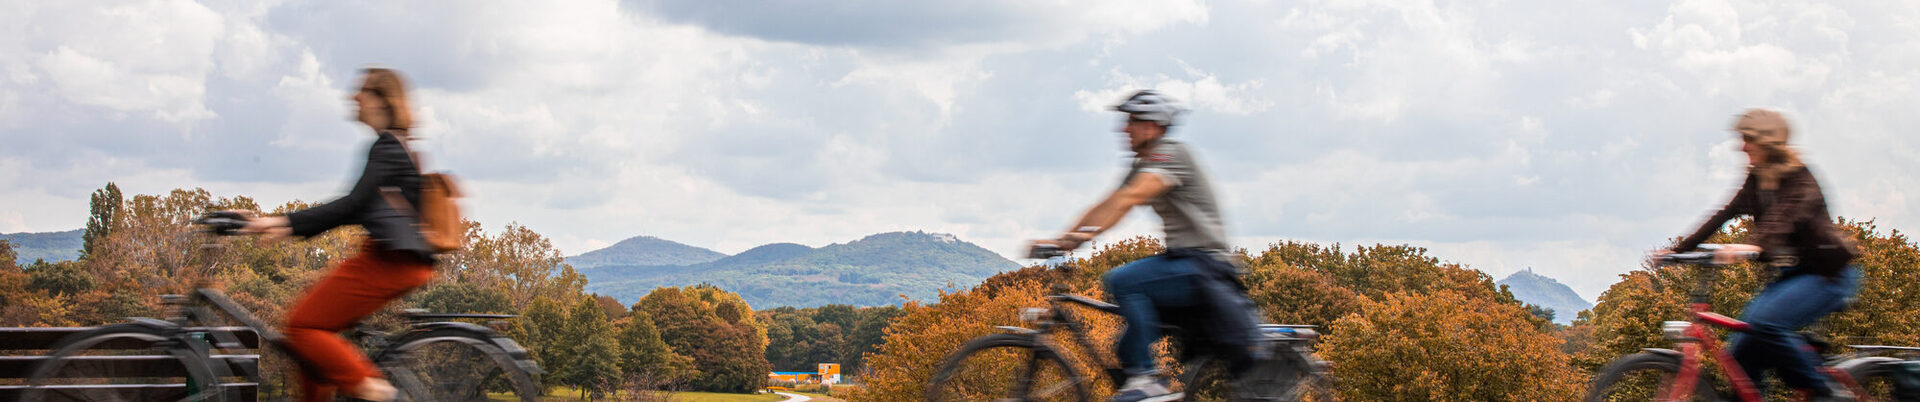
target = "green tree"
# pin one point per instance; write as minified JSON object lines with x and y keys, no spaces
{"x":541,"y":328}
{"x":8,"y":257}
{"x":588,"y":345}
{"x":645,"y":356}
{"x":59,"y":278}
{"x":461,"y":297}
{"x":103,"y":217}
{"x":717,"y":329}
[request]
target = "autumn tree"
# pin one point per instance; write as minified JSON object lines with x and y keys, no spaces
{"x":1627,"y":316}
{"x":517,"y":262}
{"x":1446,"y":346}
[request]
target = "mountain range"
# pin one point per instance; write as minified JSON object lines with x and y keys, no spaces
{"x":1546,"y":292}
{"x":49,"y":246}
{"x":875,"y":270}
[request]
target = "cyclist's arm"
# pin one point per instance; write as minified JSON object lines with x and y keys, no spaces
{"x":1737,"y":206}
{"x":1142,"y":189}
{"x":386,"y":160}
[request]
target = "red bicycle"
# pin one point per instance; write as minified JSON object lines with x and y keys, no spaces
{"x":1677,"y":375}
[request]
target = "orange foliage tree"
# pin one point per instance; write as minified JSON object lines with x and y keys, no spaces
{"x":1295,"y":283}
{"x":1628,"y":316}
{"x":1446,"y":345}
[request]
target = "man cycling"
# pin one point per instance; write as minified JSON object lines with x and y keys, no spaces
{"x":1196,"y":273}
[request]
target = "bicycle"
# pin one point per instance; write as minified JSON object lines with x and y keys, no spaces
{"x":430,"y":361}
{"x":1874,"y":368}
{"x":1676,"y":375}
{"x":1041,"y":372}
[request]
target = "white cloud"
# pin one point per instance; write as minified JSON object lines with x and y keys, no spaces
{"x":1565,"y":136}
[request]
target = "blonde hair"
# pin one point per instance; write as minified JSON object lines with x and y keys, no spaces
{"x":1769,"y":130}
{"x":386,"y":84}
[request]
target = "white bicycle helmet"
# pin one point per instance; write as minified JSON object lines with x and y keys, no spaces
{"x":1151,"y":106}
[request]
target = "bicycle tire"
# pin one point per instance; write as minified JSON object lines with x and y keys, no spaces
{"x":456,"y":364}
{"x":1289,"y":377}
{"x":1006,"y":363}
{"x":1874,"y":377}
{"x":78,"y":371}
{"x":1641,"y":376}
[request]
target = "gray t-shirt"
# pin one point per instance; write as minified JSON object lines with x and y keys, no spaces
{"x":1188,"y":209}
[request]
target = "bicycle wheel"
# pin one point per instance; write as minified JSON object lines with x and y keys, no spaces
{"x":1006,"y":367}
{"x":1642,"y":377}
{"x":123,"y":362}
{"x":1208,"y":380}
{"x":1875,"y":377}
{"x":454,"y":364}
{"x":1288,"y":377}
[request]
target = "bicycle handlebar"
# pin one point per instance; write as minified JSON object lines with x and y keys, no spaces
{"x":222,"y":223}
{"x":1702,"y":257}
{"x":1046,"y":251}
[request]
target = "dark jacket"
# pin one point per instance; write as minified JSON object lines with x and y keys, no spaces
{"x":1790,"y":224}
{"x":388,"y":166}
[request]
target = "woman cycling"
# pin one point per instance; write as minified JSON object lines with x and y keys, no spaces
{"x":392,"y":261}
{"x":1792,"y":232}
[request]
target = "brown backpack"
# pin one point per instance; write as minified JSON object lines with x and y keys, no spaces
{"x":439,"y":214}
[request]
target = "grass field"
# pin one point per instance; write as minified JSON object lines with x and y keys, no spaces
{"x":559,"y":394}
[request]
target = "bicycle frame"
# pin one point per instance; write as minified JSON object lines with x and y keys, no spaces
{"x":1697,"y":339}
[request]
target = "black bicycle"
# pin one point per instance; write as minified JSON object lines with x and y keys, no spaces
{"x":1881,"y":372}
{"x":432,"y":360}
{"x":1022,"y":364}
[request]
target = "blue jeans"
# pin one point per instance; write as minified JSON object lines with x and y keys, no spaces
{"x":1777,"y":314}
{"x":1142,"y":289}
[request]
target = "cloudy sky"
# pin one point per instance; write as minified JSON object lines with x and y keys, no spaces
{"x":1566,"y":136}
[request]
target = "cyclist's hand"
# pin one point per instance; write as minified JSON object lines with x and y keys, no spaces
{"x":1073,"y":240}
{"x":1733,"y":253}
{"x":270,"y":227}
{"x":1653,"y":257}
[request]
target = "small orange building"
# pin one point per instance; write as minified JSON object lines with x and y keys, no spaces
{"x":828,"y":373}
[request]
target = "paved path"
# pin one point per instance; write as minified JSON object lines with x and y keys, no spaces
{"x":794,"y":397}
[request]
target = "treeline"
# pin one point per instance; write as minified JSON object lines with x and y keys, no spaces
{"x":693,"y":338}
{"x":1402,"y":325}
{"x":800,"y":339}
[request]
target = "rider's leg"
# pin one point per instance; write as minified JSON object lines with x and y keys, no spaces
{"x":1140,"y":288}
{"x":357,"y":287}
{"x":1783,"y":308}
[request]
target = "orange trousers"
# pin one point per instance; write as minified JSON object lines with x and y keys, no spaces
{"x":355,"y":289}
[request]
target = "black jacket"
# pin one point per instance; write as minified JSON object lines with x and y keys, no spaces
{"x":1790,"y":224}
{"x":388,"y":166}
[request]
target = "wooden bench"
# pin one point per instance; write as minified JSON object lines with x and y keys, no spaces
{"x":21,"y":349}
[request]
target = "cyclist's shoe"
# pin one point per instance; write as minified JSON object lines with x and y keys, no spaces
{"x":1145,"y":388}
{"x":374,"y":389}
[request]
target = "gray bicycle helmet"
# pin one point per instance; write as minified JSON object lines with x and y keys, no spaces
{"x":1151,"y":106}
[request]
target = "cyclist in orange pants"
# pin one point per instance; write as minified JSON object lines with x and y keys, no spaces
{"x":394,"y":259}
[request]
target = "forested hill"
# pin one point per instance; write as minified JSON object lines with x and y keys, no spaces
{"x":872,"y":271}
{"x":49,"y":246}
{"x":1546,"y":292}
{"x":644,"y":250}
